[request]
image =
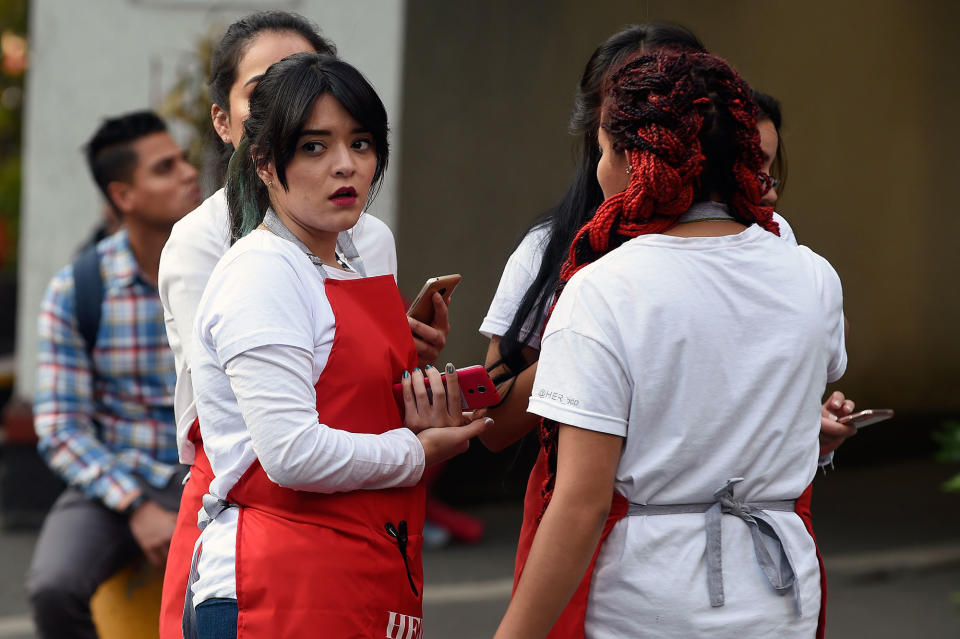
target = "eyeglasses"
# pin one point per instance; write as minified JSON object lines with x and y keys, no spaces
{"x":767,"y":182}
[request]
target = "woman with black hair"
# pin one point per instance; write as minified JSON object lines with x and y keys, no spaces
{"x":515,"y":318}
{"x":312,"y":520}
{"x":680,"y":378}
{"x":248,"y":47}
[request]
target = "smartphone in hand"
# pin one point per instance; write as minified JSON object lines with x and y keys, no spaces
{"x":476,"y":389}
{"x":866,"y":417}
{"x":422,"y":307}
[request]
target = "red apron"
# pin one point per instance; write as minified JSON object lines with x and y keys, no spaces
{"x":803,"y":510}
{"x":570,"y":624}
{"x":346,"y":564}
{"x":184,"y":537}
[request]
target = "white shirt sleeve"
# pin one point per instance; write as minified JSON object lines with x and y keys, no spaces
{"x":274,"y":389}
{"x":832,"y":296}
{"x":518,"y":274}
{"x":581,"y":381}
{"x":257,"y":297}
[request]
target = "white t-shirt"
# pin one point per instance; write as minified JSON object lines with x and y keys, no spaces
{"x":263,"y":332}
{"x":196,"y":244}
{"x":709,"y":356}
{"x":520,"y":271}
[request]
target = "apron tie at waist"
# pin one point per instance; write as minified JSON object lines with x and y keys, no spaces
{"x":776,"y":565}
{"x":212,"y":507}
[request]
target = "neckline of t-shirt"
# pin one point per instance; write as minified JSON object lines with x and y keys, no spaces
{"x":335,"y":273}
{"x":750,"y":234}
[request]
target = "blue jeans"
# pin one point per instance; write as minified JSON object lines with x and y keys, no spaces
{"x":217,"y":619}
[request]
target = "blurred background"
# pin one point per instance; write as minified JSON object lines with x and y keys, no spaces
{"x":479,"y":94}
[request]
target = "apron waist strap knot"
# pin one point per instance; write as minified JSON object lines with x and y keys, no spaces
{"x":212,"y":508}
{"x":776,"y":564}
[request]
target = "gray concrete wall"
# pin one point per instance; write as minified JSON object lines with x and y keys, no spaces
{"x":869,"y":92}
{"x":94,"y":58}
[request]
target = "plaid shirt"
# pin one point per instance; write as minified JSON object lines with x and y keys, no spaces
{"x":97,"y":430}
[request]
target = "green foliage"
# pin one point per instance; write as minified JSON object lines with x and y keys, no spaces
{"x":189,"y":103}
{"x":13,"y":61}
{"x":949,"y":439}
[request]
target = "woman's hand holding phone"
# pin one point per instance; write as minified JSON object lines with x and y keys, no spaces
{"x":431,"y":338}
{"x":432,"y":421}
{"x":832,"y":431}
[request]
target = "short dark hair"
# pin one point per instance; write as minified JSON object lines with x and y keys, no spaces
{"x":280,"y":106}
{"x":226,"y":57}
{"x":770,"y":110}
{"x":109,"y":153}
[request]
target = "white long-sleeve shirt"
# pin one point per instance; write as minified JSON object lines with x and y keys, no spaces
{"x":263,"y":333}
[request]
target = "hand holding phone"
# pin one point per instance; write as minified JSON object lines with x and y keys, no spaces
{"x":431,"y":420}
{"x":422,"y":307}
{"x":864,"y":418}
{"x":476,"y":389}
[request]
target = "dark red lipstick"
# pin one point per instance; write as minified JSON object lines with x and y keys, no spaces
{"x":344,"y":196}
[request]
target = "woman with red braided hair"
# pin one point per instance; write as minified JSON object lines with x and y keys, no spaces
{"x":680,"y":380}
{"x":525,"y":293}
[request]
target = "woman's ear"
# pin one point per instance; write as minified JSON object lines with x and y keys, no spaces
{"x":221,"y":123}
{"x":267,"y":173}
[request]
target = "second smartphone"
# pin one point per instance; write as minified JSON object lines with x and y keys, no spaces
{"x":476,"y":389}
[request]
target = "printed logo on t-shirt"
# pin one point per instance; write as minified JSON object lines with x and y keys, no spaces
{"x":560,"y":398}
{"x":404,"y":626}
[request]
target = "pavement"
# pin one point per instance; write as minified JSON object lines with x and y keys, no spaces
{"x":889,"y":535}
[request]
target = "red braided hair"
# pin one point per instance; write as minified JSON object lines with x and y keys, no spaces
{"x":689,"y":125}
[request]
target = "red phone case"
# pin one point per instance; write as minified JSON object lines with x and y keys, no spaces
{"x":476,"y":389}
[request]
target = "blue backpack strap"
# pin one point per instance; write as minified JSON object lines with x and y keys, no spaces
{"x":88,"y":295}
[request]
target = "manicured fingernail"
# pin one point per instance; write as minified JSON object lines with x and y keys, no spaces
{"x":488,"y":421}
{"x":427,"y":367}
{"x":406,"y":374}
{"x":450,"y":368}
